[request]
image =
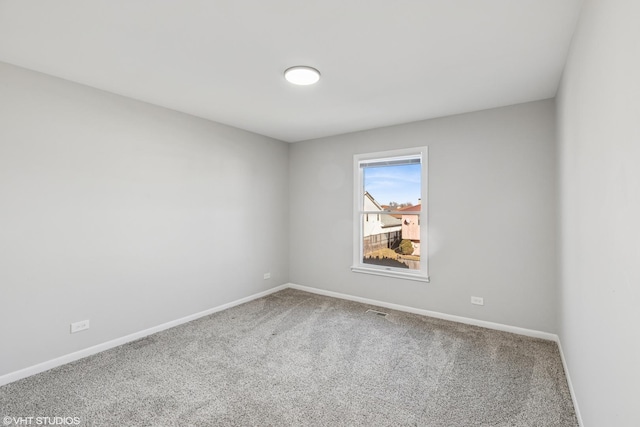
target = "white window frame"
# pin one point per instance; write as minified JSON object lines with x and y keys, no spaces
{"x":358,"y":265}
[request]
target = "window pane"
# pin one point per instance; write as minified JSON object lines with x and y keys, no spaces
{"x":393,"y":187}
{"x":392,"y":241}
{"x":387,"y":229}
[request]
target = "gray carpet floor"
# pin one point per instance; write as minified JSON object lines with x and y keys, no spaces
{"x":298,"y":359}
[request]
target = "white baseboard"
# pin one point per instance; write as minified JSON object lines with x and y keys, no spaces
{"x":438,"y":315}
{"x":72,"y":357}
{"x":570,"y":384}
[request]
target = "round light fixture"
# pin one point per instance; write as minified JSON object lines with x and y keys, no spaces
{"x":302,"y":75}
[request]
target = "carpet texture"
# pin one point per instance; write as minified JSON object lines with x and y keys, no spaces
{"x":299,"y":359}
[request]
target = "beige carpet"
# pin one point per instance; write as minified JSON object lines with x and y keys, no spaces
{"x":299,"y":359}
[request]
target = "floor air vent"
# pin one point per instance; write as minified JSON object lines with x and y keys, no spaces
{"x":377,"y":313}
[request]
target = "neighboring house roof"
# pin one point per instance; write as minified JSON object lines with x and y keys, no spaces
{"x":416,"y":208}
{"x":375,"y":202}
{"x":390,"y":221}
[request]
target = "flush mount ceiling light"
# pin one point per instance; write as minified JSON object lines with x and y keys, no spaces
{"x":302,"y":75}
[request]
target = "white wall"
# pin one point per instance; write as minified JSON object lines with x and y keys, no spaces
{"x":599,"y":136}
{"x":492,"y":215}
{"x":126,"y":214}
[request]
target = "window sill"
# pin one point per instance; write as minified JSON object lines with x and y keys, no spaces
{"x":391,"y":273}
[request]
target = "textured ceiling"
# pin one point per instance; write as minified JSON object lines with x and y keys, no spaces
{"x":382,"y":62}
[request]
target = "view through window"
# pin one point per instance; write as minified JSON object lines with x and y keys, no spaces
{"x":390,"y":213}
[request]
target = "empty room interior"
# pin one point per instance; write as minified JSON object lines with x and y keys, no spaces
{"x":438,"y":225}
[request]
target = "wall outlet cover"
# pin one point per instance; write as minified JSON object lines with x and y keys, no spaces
{"x":79,"y":326}
{"x":477,"y":300}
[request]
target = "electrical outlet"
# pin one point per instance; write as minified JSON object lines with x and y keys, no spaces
{"x":267,"y":276}
{"x":477,"y":300}
{"x":79,"y":326}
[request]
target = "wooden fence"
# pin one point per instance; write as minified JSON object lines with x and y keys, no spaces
{"x":381,"y":241}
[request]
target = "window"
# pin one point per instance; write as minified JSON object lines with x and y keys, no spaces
{"x":390,"y":214}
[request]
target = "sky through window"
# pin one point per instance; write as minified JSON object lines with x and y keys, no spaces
{"x":400,"y":184}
